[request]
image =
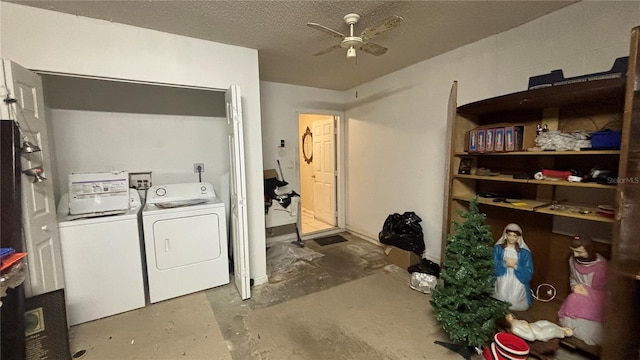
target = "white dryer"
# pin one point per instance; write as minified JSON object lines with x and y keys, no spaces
{"x":102,"y":261}
{"x":185,"y":236}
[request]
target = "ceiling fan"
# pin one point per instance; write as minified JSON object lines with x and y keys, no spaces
{"x":351,"y":42}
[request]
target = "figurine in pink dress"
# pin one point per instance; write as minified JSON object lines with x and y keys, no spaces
{"x":583,"y":309}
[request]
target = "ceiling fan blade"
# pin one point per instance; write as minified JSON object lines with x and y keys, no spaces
{"x":326,"y":30}
{"x":336,"y":46}
{"x":388,"y":24}
{"x":371,"y":48}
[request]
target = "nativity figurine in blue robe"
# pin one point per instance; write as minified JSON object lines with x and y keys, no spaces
{"x":513,"y":269}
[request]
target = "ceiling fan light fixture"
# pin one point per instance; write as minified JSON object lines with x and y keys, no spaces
{"x":352,"y":42}
{"x":351,"y":53}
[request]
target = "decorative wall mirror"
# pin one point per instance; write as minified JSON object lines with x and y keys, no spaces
{"x":307,"y":146}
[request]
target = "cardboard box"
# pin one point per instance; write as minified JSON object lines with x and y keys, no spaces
{"x":400,"y":257}
{"x":270,"y":173}
{"x":498,"y":140}
{"x":513,"y":138}
{"x":481,"y":140}
{"x":489,"y":140}
{"x":473,"y":140}
{"x":98,"y":192}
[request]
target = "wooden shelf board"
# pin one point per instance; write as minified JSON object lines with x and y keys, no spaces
{"x":587,"y":92}
{"x":549,"y":311}
{"x":541,"y":207}
{"x":628,"y":268}
{"x":538,"y":153}
{"x":505,"y":178}
{"x":509,"y":178}
{"x":592,"y":216}
{"x":530,"y":204}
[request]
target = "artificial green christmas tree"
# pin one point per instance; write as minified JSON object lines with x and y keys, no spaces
{"x":464,"y":305}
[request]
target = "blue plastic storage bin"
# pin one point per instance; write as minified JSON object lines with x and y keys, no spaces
{"x":606,"y":139}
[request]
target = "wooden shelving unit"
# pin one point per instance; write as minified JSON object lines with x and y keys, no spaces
{"x":588,"y":106}
{"x":628,"y":268}
{"x":622,"y":318}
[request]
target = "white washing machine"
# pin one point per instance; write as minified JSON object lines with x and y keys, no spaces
{"x":102,"y":261}
{"x":185,"y":236}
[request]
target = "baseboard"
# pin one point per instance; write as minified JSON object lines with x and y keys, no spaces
{"x":364,"y":235}
{"x":374,"y":240}
{"x":260,"y":280}
{"x":281,"y":238}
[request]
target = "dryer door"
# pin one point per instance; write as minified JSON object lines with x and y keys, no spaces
{"x":187,"y":240}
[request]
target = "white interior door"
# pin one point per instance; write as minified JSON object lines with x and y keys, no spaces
{"x":41,"y":238}
{"x":324,"y":188}
{"x":239,"y":224}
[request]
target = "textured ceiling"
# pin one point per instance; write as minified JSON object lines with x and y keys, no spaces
{"x":277,"y":29}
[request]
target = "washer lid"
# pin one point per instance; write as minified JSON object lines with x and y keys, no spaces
{"x":65,"y":219}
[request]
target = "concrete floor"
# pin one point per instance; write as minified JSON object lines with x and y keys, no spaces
{"x":347,"y":304}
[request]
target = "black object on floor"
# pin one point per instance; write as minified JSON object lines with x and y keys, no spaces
{"x":299,"y":241}
{"x":46,"y":327}
{"x":463,"y":350}
{"x":330,"y":240}
{"x":426,"y":266}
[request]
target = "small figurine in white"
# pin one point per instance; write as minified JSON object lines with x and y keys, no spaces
{"x":541,"y":330}
{"x":583,"y":309}
{"x":513,"y":269}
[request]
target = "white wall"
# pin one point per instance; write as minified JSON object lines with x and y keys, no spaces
{"x":50,"y":41}
{"x":167,"y":145}
{"x":396,"y":144}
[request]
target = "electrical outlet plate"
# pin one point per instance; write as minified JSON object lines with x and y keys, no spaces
{"x":195,"y":167}
{"x":140,"y":180}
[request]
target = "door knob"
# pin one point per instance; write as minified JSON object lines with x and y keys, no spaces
{"x":44,"y":228}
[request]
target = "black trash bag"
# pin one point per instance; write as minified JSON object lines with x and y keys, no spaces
{"x":403,"y":231}
{"x":426,"y":266}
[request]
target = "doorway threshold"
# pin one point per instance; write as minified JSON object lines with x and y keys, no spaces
{"x":320,"y":233}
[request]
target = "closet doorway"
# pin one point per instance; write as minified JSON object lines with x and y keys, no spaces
{"x":318,"y":172}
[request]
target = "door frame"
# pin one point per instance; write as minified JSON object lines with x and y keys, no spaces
{"x":239,"y":232}
{"x":340,"y":128}
{"x":152,"y":83}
